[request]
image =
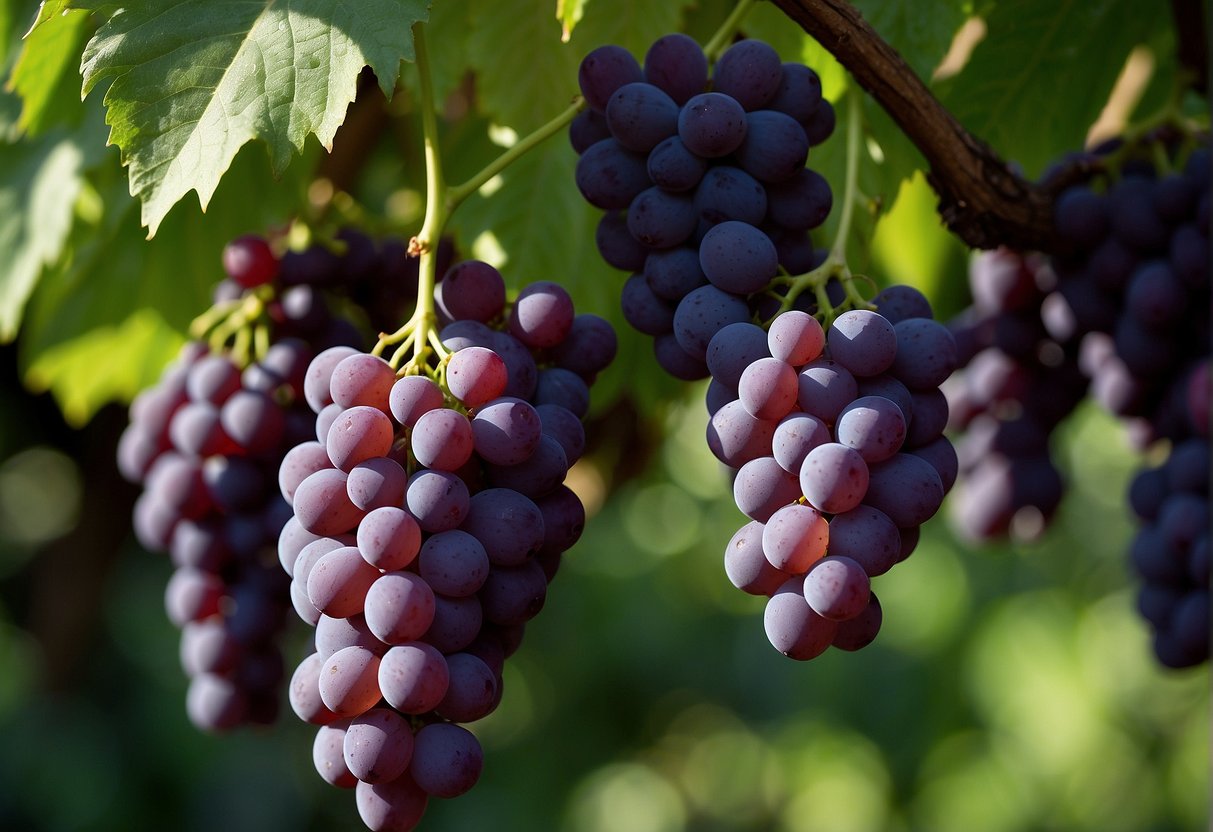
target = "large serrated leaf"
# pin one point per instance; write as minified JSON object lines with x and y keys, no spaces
{"x":39,"y":181}
{"x":1043,"y":73}
{"x":195,"y":80}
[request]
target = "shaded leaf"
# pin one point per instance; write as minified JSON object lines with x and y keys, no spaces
{"x":124,"y":293}
{"x":632,"y":24}
{"x":105,"y":364}
{"x":45,"y":73}
{"x":39,"y":184}
{"x":1043,"y":73}
{"x":921,"y":31}
{"x":525,"y":75}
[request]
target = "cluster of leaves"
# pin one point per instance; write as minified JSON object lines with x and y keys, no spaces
{"x":235,"y":101}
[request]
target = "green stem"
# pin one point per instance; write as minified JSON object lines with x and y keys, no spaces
{"x":458,"y":193}
{"x":838,"y":251}
{"x":435,"y":201}
{"x":420,"y":332}
{"x":835,"y":264}
{"x":720,"y":40}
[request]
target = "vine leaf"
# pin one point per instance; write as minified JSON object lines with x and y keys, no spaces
{"x":192,"y":81}
{"x":111,"y":312}
{"x":1039,"y":79}
{"x":39,"y":186}
{"x":46,"y":67}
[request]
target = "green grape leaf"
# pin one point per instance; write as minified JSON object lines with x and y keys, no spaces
{"x":193,"y":81}
{"x":532,"y":213}
{"x":39,"y":181}
{"x":125,"y":302}
{"x":136,"y":351}
{"x":8,"y":26}
{"x":920,"y":30}
{"x":46,"y":70}
{"x":520,"y":86}
{"x":1041,"y":76}
{"x":632,"y":24}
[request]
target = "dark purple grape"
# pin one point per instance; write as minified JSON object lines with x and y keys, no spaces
{"x":733,"y":348}
{"x":750,"y":71}
{"x":676,"y":64}
{"x":728,"y":193}
{"x":472,"y":290}
{"x":703,"y":313}
{"x":863,"y":342}
{"x":603,"y":71}
{"x":738,"y":258}
{"x":799,"y":202}
{"x":610,"y":176}
{"x":673,"y":274}
{"x":675,"y":360}
{"x":774,"y":148}
{"x":674,"y":167}
{"x":712,"y":124}
{"x":661,"y":219}
{"x":799,"y":92}
{"x":641,"y":115}
{"x":586,"y":128}
{"x":616,"y":244}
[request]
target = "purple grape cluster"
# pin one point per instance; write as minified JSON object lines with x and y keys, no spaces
{"x":1122,"y":314}
{"x":836,"y":439}
{"x":1019,"y":383}
{"x":429,"y":515}
{"x":205,"y":443}
{"x":1170,"y":552}
{"x":353,"y":271}
{"x":704,"y":184}
{"x":1136,"y":286}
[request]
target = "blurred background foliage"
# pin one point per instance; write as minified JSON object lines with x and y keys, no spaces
{"x":1011,"y":690}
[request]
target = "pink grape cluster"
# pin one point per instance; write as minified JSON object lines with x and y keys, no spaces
{"x":429,"y":516}
{"x":837,"y":441}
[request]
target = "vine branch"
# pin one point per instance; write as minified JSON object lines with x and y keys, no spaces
{"x":981,"y":199}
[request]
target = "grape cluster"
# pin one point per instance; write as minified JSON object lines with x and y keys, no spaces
{"x":837,"y":441}
{"x":1019,"y":383}
{"x":1122,"y":313}
{"x":429,"y":515}
{"x":205,"y":444}
{"x":1170,"y":552}
{"x":1136,"y":286}
{"x":704,"y":186}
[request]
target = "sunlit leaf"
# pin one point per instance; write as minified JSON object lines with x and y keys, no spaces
{"x":193,"y":81}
